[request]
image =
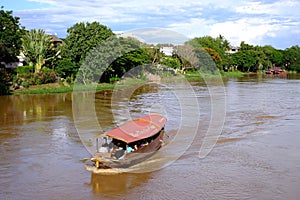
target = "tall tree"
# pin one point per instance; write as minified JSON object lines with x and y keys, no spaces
{"x":10,"y":36}
{"x":274,"y":56}
{"x":250,"y":58}
{"x":188,"y":56}
{"x":114,"y":56}
{"x":216,"y":47}
{"x":35,"y":46}
{"x":292,"y":58}
{"x":82,"y":37}
{"x":244,"y":60}
{"x":130,"y":60}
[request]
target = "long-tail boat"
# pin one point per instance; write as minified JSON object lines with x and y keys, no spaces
{"x":128,"y":144}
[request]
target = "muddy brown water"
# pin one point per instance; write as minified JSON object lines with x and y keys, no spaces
{"x":257,"y":155}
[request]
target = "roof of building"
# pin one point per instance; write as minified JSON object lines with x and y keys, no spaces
{"x":56,"y":39}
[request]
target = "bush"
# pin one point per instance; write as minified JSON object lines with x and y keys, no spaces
{"x":4,"y":78}
{"x":3,"y":89}
{"x":25,"y":69}
{"x":295,"y":67}
{"x":52,"y":77}
{"x":69,"y":80}
{"x":25,"y":84}
{"x":45,"y":76}
{"x":114,"y":79}
{"x":66,"y":68}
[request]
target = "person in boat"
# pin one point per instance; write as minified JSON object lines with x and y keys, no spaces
{"x":110,"y":146}
{"x":118,"y":152}
{"x":145,"y":143}
{"x":129,"y":149}
{"x":104,"y":146}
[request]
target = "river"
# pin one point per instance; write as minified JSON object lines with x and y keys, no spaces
{"x":256,"y":155}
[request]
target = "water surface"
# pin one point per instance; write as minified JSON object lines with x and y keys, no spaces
{"x":256,"y":157}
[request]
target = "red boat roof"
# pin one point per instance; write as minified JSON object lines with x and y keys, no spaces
{"x":138,"y":129}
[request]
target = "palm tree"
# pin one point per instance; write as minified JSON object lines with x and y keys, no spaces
{"x":35,"y":45}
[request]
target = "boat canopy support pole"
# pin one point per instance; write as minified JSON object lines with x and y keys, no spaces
{"x":97,"y":145}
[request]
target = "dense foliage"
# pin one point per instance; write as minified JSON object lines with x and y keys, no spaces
{"x":292,"y":58}
{"x":112,"y":58}
{"x":66,"y":68}
{"x":216,"y":47}
{"x":10,"y":36}
{"x":37,"y":47}
{"x":26,"y":76}
{"x":4,"y":78}
{"x":82,"y":38}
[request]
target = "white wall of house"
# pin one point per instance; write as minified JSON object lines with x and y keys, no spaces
{"x":168,"y":51}
{"x":233,"y":50}
{"x":21,"y":59}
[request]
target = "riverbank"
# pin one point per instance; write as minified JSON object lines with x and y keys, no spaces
{"x":196,"y":76}
{"x":62,"y":88}
{"x":57,"y":88}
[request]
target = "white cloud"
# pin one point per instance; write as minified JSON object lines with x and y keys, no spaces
{"x":282,"y":7}
{"x":195,"y":27}
{"x":238,"y":20}
{"x":250,"y":30}
{"x":157,"y":35}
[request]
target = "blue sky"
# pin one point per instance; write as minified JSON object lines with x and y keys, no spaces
{"x":265,"y":22}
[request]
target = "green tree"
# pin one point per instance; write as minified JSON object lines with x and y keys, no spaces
{"x":10,"y":36}
{"x":54,"y":53}
{"x":215,"y":56}
{"x":173,"y":62}
{"x":36,"y":46}
{"x":188,"y":56}
{"x":111,"y":57}
{"x":65,"y":68}
{"x":223,"y":43}
{"x":250,"y":58}
{"x":244,"y":60}
{"x":274,"y":57}
{"x":292,"y":58}
{"x":83,"y":37}
{"x":130,"y":60}
{"x":4,"y":77}
{"x":244,"y":46}
{"x":216,"y":48}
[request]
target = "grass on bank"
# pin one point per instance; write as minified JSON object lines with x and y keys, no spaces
{"x":196,"y":76}
{"x":60,"y":88}
{"x":232,"y":74}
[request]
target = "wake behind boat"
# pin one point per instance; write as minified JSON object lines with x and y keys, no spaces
{"x":128,"y":144}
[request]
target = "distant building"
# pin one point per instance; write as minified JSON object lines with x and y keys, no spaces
{"x":167,"y":49}
{"x":21,"y":61}
{"x":233,"y":49}
{"x":56,"y":41}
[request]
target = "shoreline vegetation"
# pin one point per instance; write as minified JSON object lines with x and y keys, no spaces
{"x":64,"y":87}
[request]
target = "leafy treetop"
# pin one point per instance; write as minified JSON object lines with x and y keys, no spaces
{"x":10,"y":36}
